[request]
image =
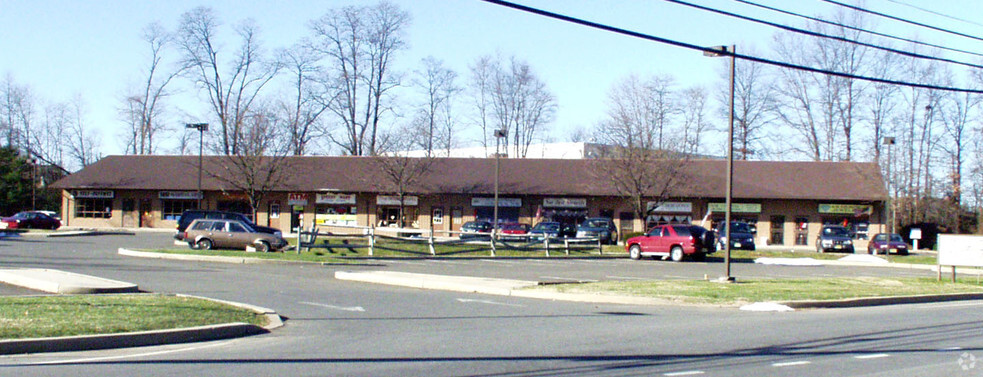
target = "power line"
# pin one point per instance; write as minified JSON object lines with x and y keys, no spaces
{"x":888,"y":16}
{"x":712,"y":50}
{"x":827,"y":22}
{"x":821,"y":35}
{"x":936,"y":13}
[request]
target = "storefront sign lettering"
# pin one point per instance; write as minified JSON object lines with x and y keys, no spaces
{"x":565,"y":202}
{"x":175,"y":195}
{"x":96,"y":194}
{"x":502,"y":202}
{"x":296,"y":199}
{"x":851,"y":209}
{"x":335,"y":199}
{"x":392,"y":200}
{"x":665,"y":207}
{"x":736,"y":207}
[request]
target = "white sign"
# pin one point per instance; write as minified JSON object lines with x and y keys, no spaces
{"x":97,"y":194}
{"x":565,"y":202}
{"x":392,"y":200}
{"x":178,"y":195}
{"x":502,"y":202}
{"x":335,"y":199}
{"x":670,"y":207}
{"x":960,"y":250}
{"x":916,"y":234}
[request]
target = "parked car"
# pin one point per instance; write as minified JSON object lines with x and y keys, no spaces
{"x":190,"y":216}
{"x":207,"y":234}
{"x":30,"y":220}
{"x":552,"y":229}
{"x":53,"y":214}
{"x":599,"y":227}
{"x":674,"y":241}
{"x":476,"y":230}
{"x":887,"y":243}
{"x":834,"y":238}
{"x":514,"y":231}
{"x":741,"y":236}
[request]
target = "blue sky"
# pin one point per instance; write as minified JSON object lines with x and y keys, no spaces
{"x":93,"y":48}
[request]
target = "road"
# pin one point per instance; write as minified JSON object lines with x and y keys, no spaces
{"x":336,"y":327}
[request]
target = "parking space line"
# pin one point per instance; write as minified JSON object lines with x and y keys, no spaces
{"x":685,"y":373}
{"x":626,"y":278}
{"x":791,"y":363}
{"x":568,"y":279}
{"x":871,"y":356}
{"x":497,"y":261}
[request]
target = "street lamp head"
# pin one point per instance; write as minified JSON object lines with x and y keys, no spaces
{"x":202,"y":127}
{"x":717,"y":51}
{"x":499,"y":133}
{"x":888,"y":140}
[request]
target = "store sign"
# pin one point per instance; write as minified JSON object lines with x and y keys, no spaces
{"x":335,"y":199}
{"x":502,"y":202}
{"x":565,"y":202}
{"x":849,"y":209}
{"x":296,"y":199}
{"x":335,"y":219}
{"x":392,"y":200}
{"x":94,"y":194}
{"x":175,"y":195}
{"x":665,"y":207}
{"x":736,"y":207}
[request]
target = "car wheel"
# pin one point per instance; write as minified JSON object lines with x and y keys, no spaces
{"x":204,"y":244}
{"x":635,"y":252}
{"x":676,"y":254}
{"x":262,"y":247}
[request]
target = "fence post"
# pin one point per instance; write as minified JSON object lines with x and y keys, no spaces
{"x":600,"y":249}
{"x":432,"y":250}
{"x":492,"y":240}
{"x":371,"y":239}
{"x":546,"y":240}
{"x":566,"y":245}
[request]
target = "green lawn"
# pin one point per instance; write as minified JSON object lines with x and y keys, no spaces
{"x":52,"y":316}
{"x":765,"y":290}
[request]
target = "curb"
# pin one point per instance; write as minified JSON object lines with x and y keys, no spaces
{"x":879,"y":301}
{"x":202,"y":258}
{"x":62,"y":282}
{"x":146,"y":338}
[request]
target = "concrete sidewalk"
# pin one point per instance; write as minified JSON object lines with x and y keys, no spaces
{"x":61,"y":282}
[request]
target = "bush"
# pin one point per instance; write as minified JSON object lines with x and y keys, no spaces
{"x":626,"y":236}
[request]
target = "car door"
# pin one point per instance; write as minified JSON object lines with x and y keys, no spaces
{"x":219,"y":235}
{"x":239,"y":236}
{"x":650,"y":243}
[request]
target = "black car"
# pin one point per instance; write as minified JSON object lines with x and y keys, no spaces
{"x":552,"y":229}
{"x":476,"y":230}
{"x":834,"y":238}
{"x":191,"y":215}
{"x":599,"y":227}
{"x":741,"y":236}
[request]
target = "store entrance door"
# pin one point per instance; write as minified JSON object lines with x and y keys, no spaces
{"x":296,"y":218}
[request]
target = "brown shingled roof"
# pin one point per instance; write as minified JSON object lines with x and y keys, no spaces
{"x":752,"y":179}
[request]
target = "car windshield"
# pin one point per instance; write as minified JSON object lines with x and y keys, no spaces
{"x":836,"y":231}
{"x":596,"y":223}
{"x":547,"y":227}
{"x":513,"y":227}
{"x":738,"y":227}
{"x":896,"y":238}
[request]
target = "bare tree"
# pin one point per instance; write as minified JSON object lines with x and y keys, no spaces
{"x":144,"y":107}
{"x":695,"y":120}
{"x":754,"y":106}
{"x":401,"y":175}
{"x":520,"y":103}
{"x":359,"y":44}
{"x":17,"y":114}
{"x":635,"y":165}
{"x":433,"y":121}
{"x":302,"y":113}
{"x":83,"y":145}
{"x":481,"y":87}
{"x":260,"y":163}
{"x":232,"y":90}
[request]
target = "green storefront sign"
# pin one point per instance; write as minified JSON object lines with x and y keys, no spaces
{"x":851,"y":209}
{"x":736,"y":207}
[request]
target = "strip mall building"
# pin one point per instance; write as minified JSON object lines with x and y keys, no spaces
{"x":788,"y":202}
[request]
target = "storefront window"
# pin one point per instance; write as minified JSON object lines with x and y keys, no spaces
{"x":335,"y":215}
{"x":172,"y":209}
{"x":93,"y":208}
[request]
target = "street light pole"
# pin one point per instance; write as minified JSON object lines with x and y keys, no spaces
{"x":716,"y":52}
{"x":201,"y":127}
{"x":889,"y":141}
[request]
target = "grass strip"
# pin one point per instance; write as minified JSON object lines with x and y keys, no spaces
{"x":53,"y":316}
{"x":771,"y":290}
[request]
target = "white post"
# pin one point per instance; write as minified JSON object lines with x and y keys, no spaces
{"x":371,"y":240}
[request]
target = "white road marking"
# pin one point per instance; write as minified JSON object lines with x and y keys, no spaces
{"x":686,"y":373}
{"x":406,"y":262}
{"x":627,"y":278}
{"x":345,"y":308}
{"x":97,"y":359}
{"x":950,"y":349}
{"x":488,"y":302}
{"x":871,"y":356}
{"x":445,"y":261}
{"x":497,"y":261}
{"x":791,"y":363}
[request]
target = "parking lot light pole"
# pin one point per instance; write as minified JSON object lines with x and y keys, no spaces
{"x":201,"y":127}
{"x":499,"y":134}
{"x":718,"y":51}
